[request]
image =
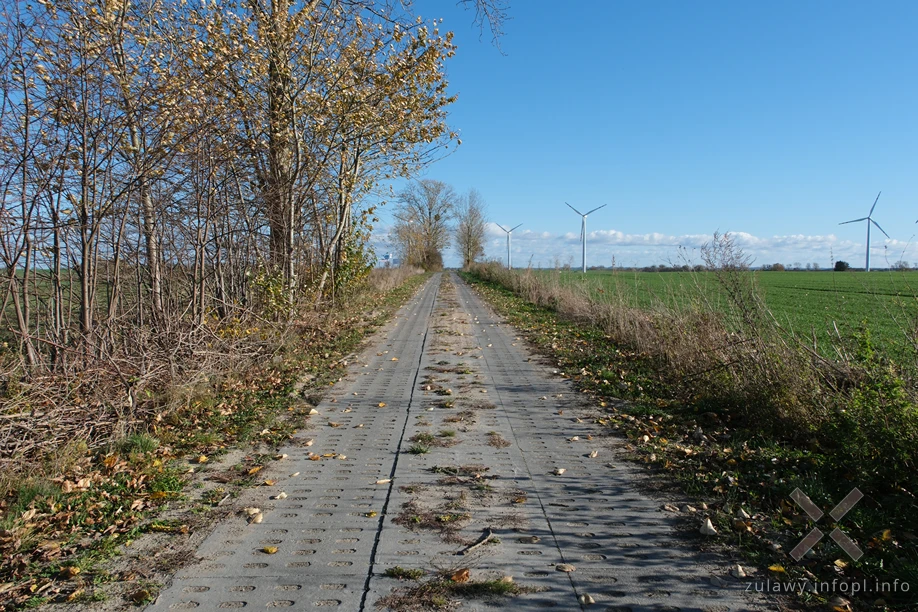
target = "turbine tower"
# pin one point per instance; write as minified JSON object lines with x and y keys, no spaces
{"x":509,"y":231}
{"x":869,"y":220}
{"x":583,"y":232}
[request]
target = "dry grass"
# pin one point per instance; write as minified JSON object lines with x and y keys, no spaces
{"x":740,"y":359}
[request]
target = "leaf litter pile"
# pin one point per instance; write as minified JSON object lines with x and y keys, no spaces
{"x":448,"y":506}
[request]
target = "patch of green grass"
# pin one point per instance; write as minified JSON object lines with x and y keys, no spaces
{"x":447,"y":433}
{"x":214,"y":496}
{"x":28,"y":492}
{"x":485,"y":588}
{"x":440,"y":593}
{"x":418,"y":449}
{"x":138,"y":443}
{"x":402,"y":573}
{"x":424,"y":438}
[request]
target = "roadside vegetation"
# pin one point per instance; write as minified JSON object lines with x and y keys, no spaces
{"x":185,"y":242}
{"x":71,"y":500}
{"x":821,"y":309}
{"x":742,"y":411}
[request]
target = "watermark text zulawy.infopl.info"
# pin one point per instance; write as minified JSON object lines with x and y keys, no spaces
{"x":837,"y":513}
{"x":825,"y":587}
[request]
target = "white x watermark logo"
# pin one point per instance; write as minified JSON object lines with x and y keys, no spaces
{"x":815,"y":513}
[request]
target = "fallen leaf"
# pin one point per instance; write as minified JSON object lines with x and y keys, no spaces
{"x":707,"y":528}
{"x":280,"y":495}
{"x":140,"y":596}
{"x":565,"y":567}
{"x":75,"y":594}
{"x":269,"y":550}
{"x":270,"y":483}
{"x":461,"y":575}
{"x":255,"y":470}
{"x":202,"y":459}
{"x":381,"y":404}
{"x":384,"y":481}
{"x":69,"y":572}
{"x":370,"y":514}
{"x":333,"y":424}
{"x":776,"y":569}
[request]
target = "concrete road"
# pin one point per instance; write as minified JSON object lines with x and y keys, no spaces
{"x":445,"y":433}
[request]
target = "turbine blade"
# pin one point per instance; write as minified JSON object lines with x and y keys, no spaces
{"x":880,"y":228}
{"x":574,"y":209}
{"x":856,"y":220}
{"x":874,"y":206}
{"x":595,"y":209}
{"x":501,"y":227}
{"x":515,"y":227}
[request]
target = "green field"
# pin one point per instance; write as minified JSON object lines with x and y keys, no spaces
{"x":821,"y":307}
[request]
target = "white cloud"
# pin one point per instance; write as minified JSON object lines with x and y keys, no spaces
{"x":547,"y":248}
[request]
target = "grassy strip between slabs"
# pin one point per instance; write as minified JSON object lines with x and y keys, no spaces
{"x":744,"y":469}
{"x":63,"y":519}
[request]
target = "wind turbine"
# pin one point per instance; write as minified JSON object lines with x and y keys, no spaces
{"x":869,"y":220}
{"x":509,"y":231}
{"x":583,"y":231}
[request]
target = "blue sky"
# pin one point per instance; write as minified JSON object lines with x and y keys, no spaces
{"x":774,"y":121}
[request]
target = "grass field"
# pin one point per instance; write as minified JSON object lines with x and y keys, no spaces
{"x":819,"y":306}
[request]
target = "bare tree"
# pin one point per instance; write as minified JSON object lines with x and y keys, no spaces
{"x":424,"y":211}
{"x":470,"y":227}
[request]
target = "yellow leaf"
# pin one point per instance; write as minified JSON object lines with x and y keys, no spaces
{"x":270,"y":483}
{"x":269,"y":550}
{"x":381,"y":404}
{"x":255,"y":470}
{"x":110,"y":461}
{"x":370,"y":514}
{"x":69,"y":572}
{"x":202,"y":459}
{"x":776,"y":569}
{"x":841,"y":563}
